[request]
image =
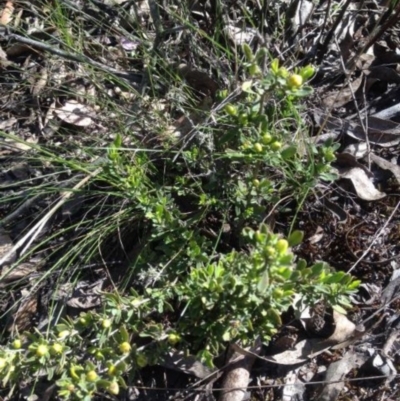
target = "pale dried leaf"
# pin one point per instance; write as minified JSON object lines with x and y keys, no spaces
{"x":50,"y":112}
{"x":294,"y":387}
{"x":357,"y":150}
{"x":380,"y":132}
{"x":114,"y":2}
{"x":389,"y":112}
{"x":392,"y":289}
{"x":363,"y":186}
{"x":3,"y":56}
{"x":347,"y":160}
{"x":17,"y":272}
{"x":22,"y":319}
{"x":368,"y":294}
{"x":364,"y":61}
{"x":386,"y":165}
{"x":7,"y":12}
{"x":344,"y":328}
{"x":75,"y":113}
{"x":21,"y":145}
{"x":177,"y":360}
{"x":5,"y":245}
{"x":337,"y":372}
{"x":339,"y":98}
{"x":303,"y":13}
{"x":240,"y":35}
{"x":347,"y":24}
{"x":392,"y":344}
{"x":319,"y":234}
{"x":86,"y":296}
{"x":7,"y":124}
{"x":299,"y":353}
{"x":40,"y":84}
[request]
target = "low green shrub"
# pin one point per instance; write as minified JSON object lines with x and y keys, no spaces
{"x":238,"y":297}
{"x":210,"y":271}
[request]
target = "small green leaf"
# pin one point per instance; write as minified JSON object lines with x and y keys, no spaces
{"x":307,"y":72}
{"x":248,"y":52}
{"x":275,"y":66}
{"x":354,"y":285}
{"x":264,"y":282}
{"x":275,"y":317}
{"x":317,"y":269}
{"x":124,"y":333}
{"x":261,"y":53}
{"x":304,"y":91}
{"x":289,"y":152}
{"x":295,"y":238}
{"x":118,"y":141}
{"x":334,"y":278}
{"x":295,"y":276}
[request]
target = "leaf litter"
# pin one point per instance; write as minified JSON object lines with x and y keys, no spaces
{"x":344,"y":111}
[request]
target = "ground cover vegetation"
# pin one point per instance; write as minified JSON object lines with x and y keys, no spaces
{"x":196,"y":197}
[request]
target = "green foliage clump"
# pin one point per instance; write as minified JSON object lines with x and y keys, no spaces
{"x":208,"y":272}
{"x":242,"y":295}
{"x":238,"y":297}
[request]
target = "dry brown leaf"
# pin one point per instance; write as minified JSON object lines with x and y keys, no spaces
{"x":22,"y":319}
{"x":386,"y":165}
{"x":339,"y":98}
{"x":384,"y":133}
{"x":177,"y":360}
{"x":344,"y":328}
{"x":18,"y":49}
{"x":7,"y":124}
{"x":18,"y":272}
{"x":364,"y":61}
{"x":7,"y":13}
{"x":3,"y":57}
{"x":364,"y":188}
{"x":5,"y":245}
{"x":346,"y":160}
{"x":198,"y":80}
{"x":384,"y":74}
{"x":40,"y":84}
